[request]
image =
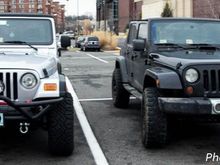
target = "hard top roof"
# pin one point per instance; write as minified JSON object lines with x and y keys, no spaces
{"x":175,"y":18}
{"x":24,"y":15}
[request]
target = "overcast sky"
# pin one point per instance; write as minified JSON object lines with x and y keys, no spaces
{"x":87,"y":7}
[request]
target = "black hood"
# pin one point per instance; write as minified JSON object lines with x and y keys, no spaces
{"x":185,"y":57}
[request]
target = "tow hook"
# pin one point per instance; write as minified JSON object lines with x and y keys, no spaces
{"x":24,"y":127}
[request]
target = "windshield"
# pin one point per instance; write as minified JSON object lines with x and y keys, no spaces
{"x":32,"y":31}
{"x":185,"y":32}
{"x":93,"y":39}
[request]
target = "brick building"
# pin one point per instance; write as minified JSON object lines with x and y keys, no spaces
{"x":154,"y":8}
{"x":182,"y":8}
{"x":114,"y":15}
{"x":35,"y":6}
{"x":206,"y":8}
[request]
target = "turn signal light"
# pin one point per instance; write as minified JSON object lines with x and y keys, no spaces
{"x":189,"y":90}
{"x":158,"y":83}
{"x":50,"y":87}
{"x":3,"y":103}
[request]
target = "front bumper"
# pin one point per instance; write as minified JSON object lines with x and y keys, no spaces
{"x":21,"y":108}
{"x":189,"y":106}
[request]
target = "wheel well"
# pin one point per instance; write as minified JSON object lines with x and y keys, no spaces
{"x":62,"y":84}
{"x":117,"y":65}
{"x":149,"y":82}
{"x":59,"y":68}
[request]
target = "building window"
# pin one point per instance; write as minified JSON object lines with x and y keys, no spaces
{"x":13,"y":2}
{"x":115,"y":9}
{"x":21,"y":4}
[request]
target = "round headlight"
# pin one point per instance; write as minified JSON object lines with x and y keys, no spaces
{"x":28,"y":81}
{"x":192,"y":75}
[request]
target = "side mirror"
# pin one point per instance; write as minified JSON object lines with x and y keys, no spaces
{"x":65,"y":41}
{"x":139,"y":44}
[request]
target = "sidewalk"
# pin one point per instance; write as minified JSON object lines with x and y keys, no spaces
{"x":116,"y":52}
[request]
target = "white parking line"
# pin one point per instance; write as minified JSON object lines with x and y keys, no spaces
{"x":97,"y":99}
{"x":101,"y":99}
{"x":94,"y":146}
{"x":97,"y":58}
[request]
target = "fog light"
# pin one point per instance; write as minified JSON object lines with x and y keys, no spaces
{"x":189,"y":90}
{"x":217,"y":107}
{"x":50,"y":87}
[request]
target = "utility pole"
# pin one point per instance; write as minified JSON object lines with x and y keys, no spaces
{"x":105,"y":10}
{"x":78,"y":17}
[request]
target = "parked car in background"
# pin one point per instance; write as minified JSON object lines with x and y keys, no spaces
{"x":90,"y":42}
{"x":79,"y":40}
{"x":69,"y":34}
{"x":61,"y":47}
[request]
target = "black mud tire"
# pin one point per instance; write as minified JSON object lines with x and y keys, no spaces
{"x":61,"y":127}
{"x":119,"y":94}
{"x":154,"y":121}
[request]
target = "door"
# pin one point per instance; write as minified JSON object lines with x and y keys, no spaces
{"x":139,"y":59}
{"x":129,"y":50}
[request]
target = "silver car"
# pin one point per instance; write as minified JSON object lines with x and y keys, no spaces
{"x":90,"y":43}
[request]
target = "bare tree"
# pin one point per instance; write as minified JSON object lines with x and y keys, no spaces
{"x":87,"y":26}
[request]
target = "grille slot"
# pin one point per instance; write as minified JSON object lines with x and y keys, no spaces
{"x":11,"y":87}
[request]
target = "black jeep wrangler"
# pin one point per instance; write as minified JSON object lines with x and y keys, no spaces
{"x":173,"y":66}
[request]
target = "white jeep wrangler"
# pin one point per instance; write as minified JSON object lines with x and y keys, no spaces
{"x":32,"y":88}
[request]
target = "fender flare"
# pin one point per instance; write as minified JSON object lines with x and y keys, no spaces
{"x":168,"y":79}
{"x":62,"y":84}
{"x":120,"y":63}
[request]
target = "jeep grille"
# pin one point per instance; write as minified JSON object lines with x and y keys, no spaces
{"x":211,"y":79}
{"x":10,"y":80}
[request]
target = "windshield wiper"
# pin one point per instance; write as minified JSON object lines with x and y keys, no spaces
{"x":173,"y":45}
{"x":203,"y":46}
{"x":21,"y":42}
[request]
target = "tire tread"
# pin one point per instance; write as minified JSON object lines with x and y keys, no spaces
{"x":61,"y":127}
